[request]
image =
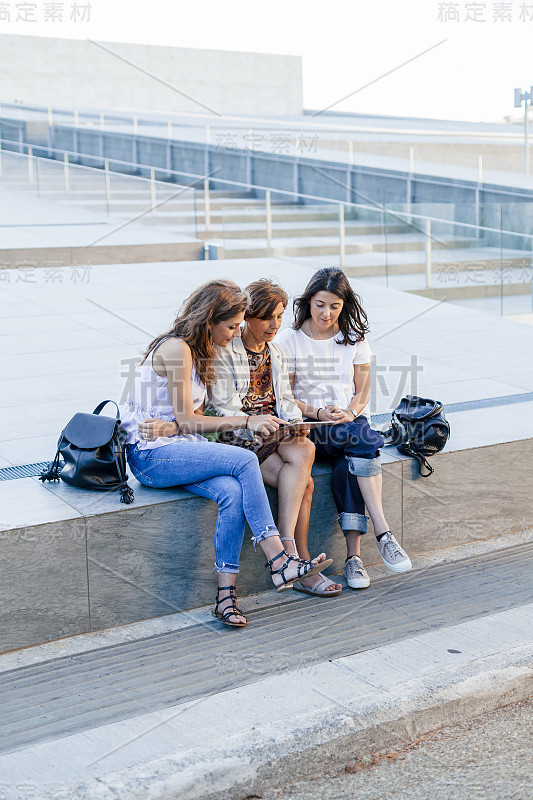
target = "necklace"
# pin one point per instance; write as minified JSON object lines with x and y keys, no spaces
{"x":313,"y":337}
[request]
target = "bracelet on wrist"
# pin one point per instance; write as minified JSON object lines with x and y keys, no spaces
{"x":318,"y":414}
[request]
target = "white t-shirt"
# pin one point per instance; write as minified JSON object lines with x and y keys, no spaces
{"x":323,"y":368}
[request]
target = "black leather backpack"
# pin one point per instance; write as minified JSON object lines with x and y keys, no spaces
{"x":419,"y":429}
{"x":93,"y":449}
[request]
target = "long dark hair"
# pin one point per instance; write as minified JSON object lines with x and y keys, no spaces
{"x":215,"y":301}
{"x":353,"y":321}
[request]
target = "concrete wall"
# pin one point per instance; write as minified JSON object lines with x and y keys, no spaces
{"x":510,"y":217}
{"x":68,"y":73}
{"x":110,"y":564}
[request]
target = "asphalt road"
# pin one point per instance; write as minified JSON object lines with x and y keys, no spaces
{"x":487,"y":758}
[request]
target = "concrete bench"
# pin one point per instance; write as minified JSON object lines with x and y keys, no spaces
{"x":73,"y":561}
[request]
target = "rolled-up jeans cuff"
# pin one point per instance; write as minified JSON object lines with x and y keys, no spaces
{"x":223,"y":567}
{"x":353,"y":522}
{"x":364,"y":467}
{"x":270,"y":530}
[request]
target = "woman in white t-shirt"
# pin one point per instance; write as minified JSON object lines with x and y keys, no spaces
{"x":330,"y":375}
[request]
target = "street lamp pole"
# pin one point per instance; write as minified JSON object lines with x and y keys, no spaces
{"x":519,"y":96}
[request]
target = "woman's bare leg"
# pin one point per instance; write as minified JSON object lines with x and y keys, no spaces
{"x":272,"y":470}
{"x":301,"y":530}
{"x":301,"y":535}
{"x":371,"y":489}
{"x":353,"y":543}
{"x":289,"y":471}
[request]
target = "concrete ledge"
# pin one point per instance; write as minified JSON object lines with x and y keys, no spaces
{"x":114,"y":564}
{"x":103,"y":254}
{"x":77,"y":644}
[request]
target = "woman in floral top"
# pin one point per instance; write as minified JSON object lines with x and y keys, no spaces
{"x":253,"y":379}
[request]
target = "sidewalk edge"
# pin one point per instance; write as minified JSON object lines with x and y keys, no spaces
{"x":271,"y":755}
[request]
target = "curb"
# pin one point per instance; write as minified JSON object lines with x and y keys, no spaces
{"x":285,"y":727}
{"x":262,"y":757}
{"x":246,"y":766}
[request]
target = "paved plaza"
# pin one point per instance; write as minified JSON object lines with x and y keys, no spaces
{"x":70,"y":343}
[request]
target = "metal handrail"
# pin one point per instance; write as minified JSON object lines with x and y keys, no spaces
{"x":376,"y":171}
{"x":408,"y":215}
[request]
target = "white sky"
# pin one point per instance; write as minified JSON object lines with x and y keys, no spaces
{"x":344,"y":44}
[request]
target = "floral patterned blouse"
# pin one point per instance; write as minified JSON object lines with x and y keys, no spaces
{"x":259,"y":399}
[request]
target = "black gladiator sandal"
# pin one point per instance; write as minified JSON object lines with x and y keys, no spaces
{"x":305,"y":568}
{"x":231,"y":610}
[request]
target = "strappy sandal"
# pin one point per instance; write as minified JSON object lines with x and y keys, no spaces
{"x":230,"y":611}
{"x":319,"y":589}
{"x":305,"y":568}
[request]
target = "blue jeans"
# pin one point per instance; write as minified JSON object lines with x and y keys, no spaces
{"x":352,"y":448}
{"x":228,"y":475}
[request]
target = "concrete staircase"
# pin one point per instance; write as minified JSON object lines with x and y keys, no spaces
{"x":463,"y":266}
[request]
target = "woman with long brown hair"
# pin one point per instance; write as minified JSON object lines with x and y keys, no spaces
{"x":330,"y":374}
{"x":164,"y":421}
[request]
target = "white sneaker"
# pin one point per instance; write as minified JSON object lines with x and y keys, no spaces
{"x":394,"y":557}
{"x":355,"y":573}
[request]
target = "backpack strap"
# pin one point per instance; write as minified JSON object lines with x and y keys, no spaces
{"x":126,"y":492}
{"x":422,"y":462}
{"x":101,"y":405}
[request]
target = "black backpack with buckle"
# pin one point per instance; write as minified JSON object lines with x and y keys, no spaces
{"x":93,"y":449}
{"x":419,"y":429}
